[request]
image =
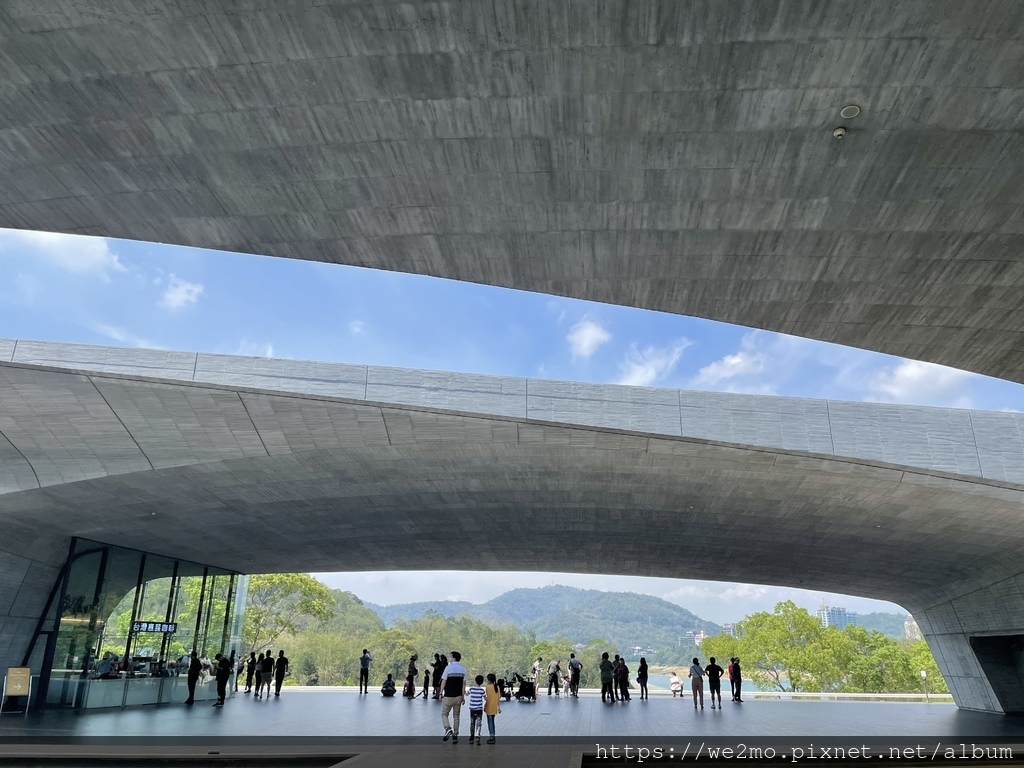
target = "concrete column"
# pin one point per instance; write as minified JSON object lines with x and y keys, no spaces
{"x":25,"y":584}
{"x":978,"y":642}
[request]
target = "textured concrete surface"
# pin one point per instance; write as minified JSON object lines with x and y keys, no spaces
{"x":983,"y":444}
{"x":662,"y":154}
{"x":257,"y":480}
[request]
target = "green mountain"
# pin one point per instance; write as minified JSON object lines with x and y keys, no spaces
{"x":626,"y":619}
{"x":890,"y":624}
{"x":391,"y":614}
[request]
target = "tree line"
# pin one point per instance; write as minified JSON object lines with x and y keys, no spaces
{"x":789,"y":650}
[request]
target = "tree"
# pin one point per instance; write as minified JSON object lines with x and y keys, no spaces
{"x":278,"y":601}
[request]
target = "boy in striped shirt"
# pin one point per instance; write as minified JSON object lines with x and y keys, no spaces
{"x":476,"y":695}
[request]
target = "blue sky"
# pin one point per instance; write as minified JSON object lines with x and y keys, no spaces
{"x":116,"y":292}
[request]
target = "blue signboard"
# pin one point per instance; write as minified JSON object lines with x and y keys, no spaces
{"x":166,"y":627}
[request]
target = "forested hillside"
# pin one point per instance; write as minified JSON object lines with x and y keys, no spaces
{"x":625,"y":619}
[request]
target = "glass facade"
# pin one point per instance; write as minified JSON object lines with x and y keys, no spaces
{"x":121,"y":625}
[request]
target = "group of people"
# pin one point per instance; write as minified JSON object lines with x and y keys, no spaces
{"x":265,"y":670}
{"x":222,"y":668}
{"x":714,"y":674}
{"x":450,"y":686}
{"x":615,"y":679}
{"x":557,"y":677}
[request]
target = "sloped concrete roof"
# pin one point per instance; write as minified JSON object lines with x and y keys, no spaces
{"x":660,"y":154}
{"x":260,"y":480}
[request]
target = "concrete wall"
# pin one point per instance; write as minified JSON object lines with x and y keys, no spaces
{"x":73,"y":434}
{"x":975,"y":443}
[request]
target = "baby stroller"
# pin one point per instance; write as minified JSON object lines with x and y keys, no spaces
{"x":504,"y":689}
{"x":527,"y":689}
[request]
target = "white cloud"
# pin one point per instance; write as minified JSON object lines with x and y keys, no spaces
{"x":357,"y":327}
{"x":644,"y":367}
{"x":72,"y":253}
{"x":912,"y":381}
{"x":125,"y":337}
{"x":180,"y":293}
{"x":254,"y":349}
{"x":747,"y":361}
{"x":585,"y":337}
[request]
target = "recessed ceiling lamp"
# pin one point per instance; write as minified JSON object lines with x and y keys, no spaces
{"x":851,"y":111}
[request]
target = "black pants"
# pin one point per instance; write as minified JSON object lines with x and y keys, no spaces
{"x":606,"y":688}
{"x":737,"y":687}
{"x":248,"y":679}
{"x":364,"y":680}
{"x":192,"y":688}
{"x":222,"y":688}
{"x":624,"y":689}
{"x":715,"y":686}
{"x":278,"y":682}
{"x":574,"y":682}
{"x":553,"y":680}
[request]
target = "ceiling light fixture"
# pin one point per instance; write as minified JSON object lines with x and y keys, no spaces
{"x":850,"y":111}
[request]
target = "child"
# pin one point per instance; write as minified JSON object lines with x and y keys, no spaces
{"x":492,"y":706}
{"x":476,"y":709}
{"x":426,"y":684}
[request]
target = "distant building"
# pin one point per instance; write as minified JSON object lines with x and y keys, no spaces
{"x":729,"y":629}
{"x":911,"y":631}
{"x":840,"y":618}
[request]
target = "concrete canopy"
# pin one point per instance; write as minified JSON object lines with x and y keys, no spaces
{"x":209,"y":469}
{"x":660,"y":154}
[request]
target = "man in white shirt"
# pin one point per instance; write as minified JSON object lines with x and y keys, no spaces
{"x":453,"y":695}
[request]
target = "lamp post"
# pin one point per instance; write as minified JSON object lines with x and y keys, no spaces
{"x":924,"y":682}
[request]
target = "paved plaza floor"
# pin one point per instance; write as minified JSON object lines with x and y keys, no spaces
{"x":347,"y":714}
{"x":328,"y":727}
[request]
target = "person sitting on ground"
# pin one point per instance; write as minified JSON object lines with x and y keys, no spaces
{"x":388,"y":689}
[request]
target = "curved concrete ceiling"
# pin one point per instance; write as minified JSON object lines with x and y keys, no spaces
{"x":673,"y":156}
{"x":322,"y":483}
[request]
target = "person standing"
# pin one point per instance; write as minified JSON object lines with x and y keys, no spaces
{"x":492,"y":706}
{"x":234,"y":669}
{"x":622,"y":678}
{"x":438,"y":674}
{"x":714,"y":673}
{"x":426,"y":684}
{"x":641,"y":678}
{"x":250,"y":670}
{"x":538,"y":670}
{"x":364,"y":671}
{"x":222,"y":674}
{"x":607,"y":675}
{"x":259,"y":676}
{"x":280,"y":670}
{"x":453,"y":696}
{"x":410,"y":678}
{"x":267,"y":667}
{"x":737,"y":677}
{"x":553,"y":676}
{"x":477,"y":695}
{"x":575,"y":668}
{"x":696,"y":676}
{"x":435,"y":674}
{"x":732,"y":683}
{"x":615,"y":677}
{"x":195,"y":667}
